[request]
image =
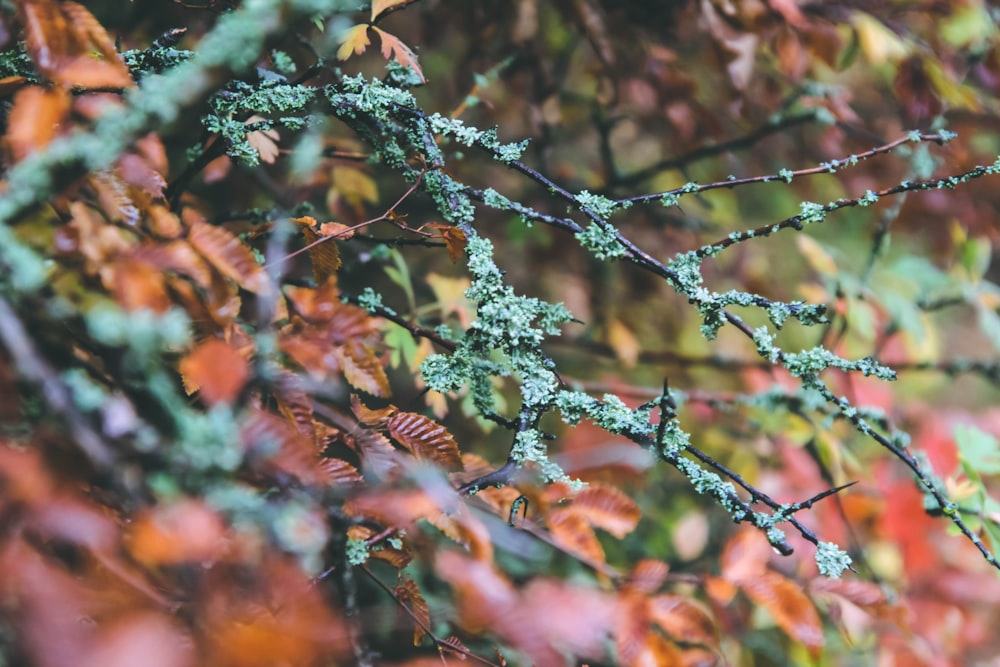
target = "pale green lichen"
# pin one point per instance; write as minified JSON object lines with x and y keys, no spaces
{"x":831,"y":560}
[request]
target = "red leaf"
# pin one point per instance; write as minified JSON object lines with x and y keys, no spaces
{"x":428,"y":440}
{"x":648,"y":575}
{"x":392,"y":46}
{"x":217,"y":369}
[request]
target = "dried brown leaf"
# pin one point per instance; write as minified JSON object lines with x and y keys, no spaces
{"x":362,"y":368}
{"x":324,"y":254}
{"x":408,"y":593}
{"x":229,"y":255}
{"x":428,"y":440}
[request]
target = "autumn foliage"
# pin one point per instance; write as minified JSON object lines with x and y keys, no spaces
{"x":302,"y":363}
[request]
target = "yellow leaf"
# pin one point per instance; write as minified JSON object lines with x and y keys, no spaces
{"x":355,"y":41}
{"x":878,"y":43}
{"x":819,"y":259}
{"x":380,"y":6}
{"x":624,"y":343}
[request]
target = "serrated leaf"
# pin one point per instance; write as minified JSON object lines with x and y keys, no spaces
{"x":354,"y":41}
{"x":393,"y":47}
{"x":789,"y":606}
{"x":428,"y":440}
{"x":325,"y":255}
{"x":408,"y":593}
{"x":229,"y":255}
{"x":607,"y":508}
{"x":362,"y":368}
{"x":338,"y":472}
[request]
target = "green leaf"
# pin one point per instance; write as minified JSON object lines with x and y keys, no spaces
{"x":978,"y":449}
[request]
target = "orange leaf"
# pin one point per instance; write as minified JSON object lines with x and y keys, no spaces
{"x":362,"y":368}
{"x":315,"y":304}
{"x":574,"y":534}
{"x":608,"y":508}
{"x":265,"y":142}
{"x":370,"y":417}
{"x":354,"y":41}
{"x":229,"y":255}
{"x":184,"y":531}
{"x":34,"y":119}
{"x":409,"y":594}
{"x":684,"y":620}
{"x":745,"y":556}
{"x":324,"y":255}
{"x":428,"y":440}
{"x":392,"y":46}
{"x":136,"y":285}
{"x":379,"y":6}
{"x":454,"y":239}
{"x":217,"y":369}
{"x":791,"y":609}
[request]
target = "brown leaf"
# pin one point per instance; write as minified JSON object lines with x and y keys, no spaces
{"x":324,"y":255}
{"x":362,"y":368}
{"x":370,"y":417}
{"x":428,"y":440}
{"x":316,"y":304}
{"x":393,"y":47}
{"x":355,"y":41}
{"x":136,"y":285}
{"x":34,"y":119}
{"x":791,"y":609}
{"x":339,"y":472}
{"x":229,"y":255}
{"x":217,"y":369}
{"x":684,"y":620}
{"x":608,"y":508}
{"x":409,"y":594}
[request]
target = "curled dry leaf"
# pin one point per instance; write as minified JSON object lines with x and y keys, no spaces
{"x":370,"y":417}
{"x":428,"y":440}
{"x":408,"y":593}
{"x":217,"y":369}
